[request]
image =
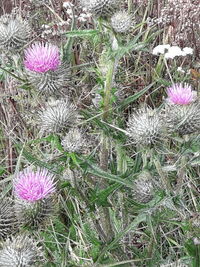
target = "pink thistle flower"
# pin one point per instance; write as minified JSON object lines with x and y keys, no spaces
{"x":32,"y":186}
{"x":181,"y":95}
{"x":42,"y":57}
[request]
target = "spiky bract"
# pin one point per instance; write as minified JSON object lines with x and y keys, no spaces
{"x":145,"y":127}
{"x":49,"y":82}
{"x":14,"y":32}
{"x":20,"y":251}
{"x":184,"y":119}
{"x":101,"y":8}
{"x":74,"y":141}
{"x":144,"y":188}
{"x":35,"y":214}
{"x":58,"y":116}
{"x":121,"y":22}
{"x":7,"y":218}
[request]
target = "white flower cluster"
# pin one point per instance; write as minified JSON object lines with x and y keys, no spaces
{"x":172,"y":51}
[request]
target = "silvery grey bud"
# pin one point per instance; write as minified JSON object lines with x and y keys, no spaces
{"x":121,"y":21}
{"x":101,"y":8}
{"x":144,"y":187}
{"x":58,"y":116}
{"x":14,"y":32}
{"x":145,"y":127}
{"x":184,"y":119}
{"x":20,"y":251}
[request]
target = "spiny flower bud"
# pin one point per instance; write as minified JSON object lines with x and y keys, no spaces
{"x":44,"y":68}
{"x":101,"y":8}
{"x":184,"y":119}
{"x":34,"y":196}
{"x":74,"y":141}
{"x":145,"y":127}
{"x":58,"y":116}
{"x":121,"y":21}
{"x":14,"y":32}
{"x":7,"y":218}
{"x":20,"y":251}
{"x":144,"y":188}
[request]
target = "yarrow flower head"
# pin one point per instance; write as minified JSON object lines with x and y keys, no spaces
{"x":181,"y":94}
{"x":42,"y":57}
{"x":32,"y":185}
{"x":172,"y":51}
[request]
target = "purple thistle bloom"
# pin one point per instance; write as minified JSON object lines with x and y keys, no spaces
{"x":181,"y":95}
{"x":32,"y":186}
{"x":42,"y":57}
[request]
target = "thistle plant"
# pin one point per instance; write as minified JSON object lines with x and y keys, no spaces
{"x":44,"y":68}
{"x":14,"y":32}
{"x":121,"y":161}
{"x":34,"y":193}
{"x":21,"y":250}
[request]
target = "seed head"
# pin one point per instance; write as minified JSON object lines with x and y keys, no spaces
{"x":20,"y":251}
{"x":184,"y":119}
{"x":181,"y":94}
{"x":121,"y":21}
{"x":145,"y":127}
{"x":14,"y":32}
{"x":144,"y":188}
{"x":41,"y":57}
{"x":7,"y":218}
{"x":101,"y":8}
{"x":58,"y":116}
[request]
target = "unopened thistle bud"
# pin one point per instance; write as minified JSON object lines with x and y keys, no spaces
{"x":175,"y":264}
{"x":101,"y":8}
{"x":145,"y":127}
{"x":44,"y":68}
{"x":121,"y":22}
{"x":34,"y":196}
{"x":182,"y":110}
{"x":144,"y":188}
{"x":58,"y":116}
{"x":7,"y":218}
{"x":20,"y":251}
{"x":14,"y":32}
{"x":74,"y":141}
